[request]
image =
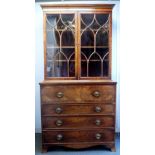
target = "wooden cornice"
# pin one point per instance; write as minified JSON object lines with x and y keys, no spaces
{"x":99,"y":6}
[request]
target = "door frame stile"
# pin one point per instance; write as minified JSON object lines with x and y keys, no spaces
{"x":79,"y":44}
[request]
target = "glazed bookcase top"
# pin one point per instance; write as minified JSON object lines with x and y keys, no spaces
{"x":77,"y":42}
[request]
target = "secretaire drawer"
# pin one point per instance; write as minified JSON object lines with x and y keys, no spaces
{"x":74,"y":109}
{"x":98,"y":93}
{"x":100,"y":135}
{"x":78,"y":122}
{"x":78,"y":93}
{"x":58,"y":94}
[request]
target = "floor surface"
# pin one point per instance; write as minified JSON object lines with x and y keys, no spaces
{"x":91,"y":151}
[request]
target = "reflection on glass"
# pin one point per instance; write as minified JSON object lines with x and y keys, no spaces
{"x":52,"y":20}
{"x":53,"y":38}
{"x":60,"y":36}
{"x":60,"y":63}
{"x":72,"y":65}
{"x":60,"y":69}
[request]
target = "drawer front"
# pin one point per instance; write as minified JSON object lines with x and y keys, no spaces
{"x":78,"y":93}
{"x":51,"y":94}
{"x":78,"y":122}
{"x":78,"y":136}
{"x":98,"y":93}
{"x":80,"y":109}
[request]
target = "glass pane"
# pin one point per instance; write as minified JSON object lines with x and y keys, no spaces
{"x":72,"y":65}
{"x":84,"y":68}
{"x":102,"y":18}
{"x":102,"y":51}
{"x":101,"y":38}
{"x":67,"y":19}
{"x":94,"y":45}
{"x":94,"y":68}
{"x":60,"y":48}
{"x":60,"y":68}
{"x":60,"y":63}
{"x":53,"y":38}
{"x":105,"y":68}
{"x":87,"y":38}
{"x":86,"y":20}
{"x":68,"y":38}
{"x":52,"y":20}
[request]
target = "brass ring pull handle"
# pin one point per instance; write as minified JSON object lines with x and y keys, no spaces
{"x":96,"y":94}
{"x":59,"y":122}
{"x":98,"y":122}
{"x":98,"y":109}
{"x":59,"y":137}
{"x":60,"y":94}
{"x":58,"y":110}
{"x":98,"y":136}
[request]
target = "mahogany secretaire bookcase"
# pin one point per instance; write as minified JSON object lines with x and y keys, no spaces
{"x":78,"y":97}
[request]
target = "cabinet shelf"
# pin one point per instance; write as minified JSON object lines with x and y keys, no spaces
{"x":61,"y":46}
{"x":80,"y":46}
{"x":93,"y":60}
{"x":74,"y":60}
{"x":70,"y":29}
{"x":90,"y":29}
{"x":61,"y":60}
{"x":52,"y":29}
{"x":95,"y":46}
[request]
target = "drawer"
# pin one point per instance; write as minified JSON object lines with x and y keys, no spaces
{"x":98,"y":93}
{"x":78,"y":93}
{"x":67,"y":136}
{"x":74,"y":109}
{"x":50,"y":94}
{"x":78,"y":122}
